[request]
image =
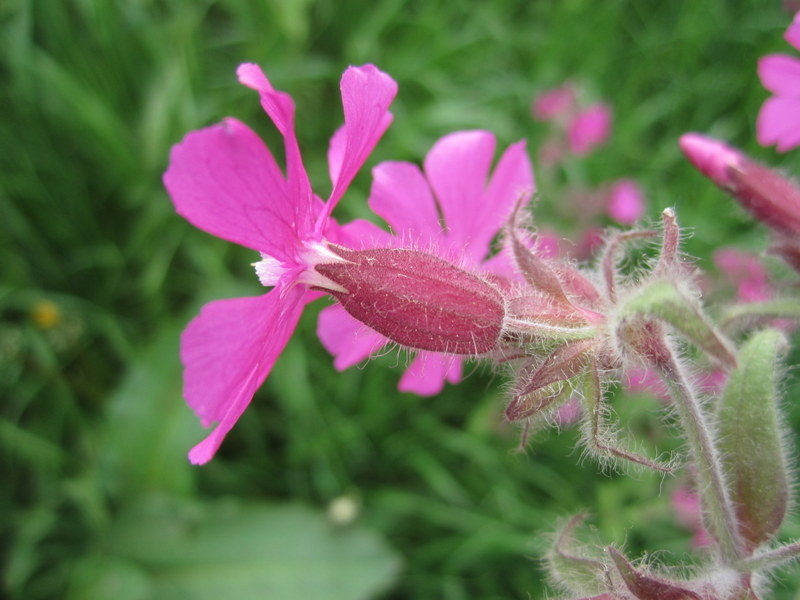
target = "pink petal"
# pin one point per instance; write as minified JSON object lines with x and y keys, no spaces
{"x":348,"y":340}
{"x":400,"y":196}
{"x":429,"y":371}
{"x":361,"y":234}
{"x":457,"y":167}
{"x":224,"y":180}
{"x":280,"y":108}
{"x":589,"y":129}
{"x":780,"y":74}
{"x":511,"y":183}
{"x":626,"y":202}
{"x":779,"y":123}
{"x":227,"y":352}
{"x":367,"y":93}
{"x":792,"y":34}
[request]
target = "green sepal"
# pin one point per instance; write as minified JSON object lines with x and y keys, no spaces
{"x":645,"y":586}
{"x":750,"y":441}
{"x":573,"y":565}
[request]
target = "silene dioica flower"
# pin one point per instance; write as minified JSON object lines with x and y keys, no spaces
{"x":565,"y":333}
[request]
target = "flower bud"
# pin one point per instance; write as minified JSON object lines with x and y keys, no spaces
{"x":765,"y":194}
{"x":416,"y":299}
{"x":749,"y":439}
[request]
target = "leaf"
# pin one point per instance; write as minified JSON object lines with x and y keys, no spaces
{"x":100,"y":578}
{"x":149,"y":428}
{"x":235,"y":550}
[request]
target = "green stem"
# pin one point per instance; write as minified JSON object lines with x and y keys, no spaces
{"x":770,"y":559}
{"x":712,"y":488}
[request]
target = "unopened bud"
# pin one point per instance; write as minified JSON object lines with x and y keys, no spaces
{"x":750,"y":440}
{"x":764,"y":193}
{"x":417,"y":300}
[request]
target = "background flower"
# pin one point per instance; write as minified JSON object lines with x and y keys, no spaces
{"x":779,"y":119}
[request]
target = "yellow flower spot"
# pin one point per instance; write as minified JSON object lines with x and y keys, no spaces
{"x":45,"y":314}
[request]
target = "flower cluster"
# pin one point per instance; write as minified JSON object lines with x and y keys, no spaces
{"x":576,"y":130}
{"x":461,"y":275}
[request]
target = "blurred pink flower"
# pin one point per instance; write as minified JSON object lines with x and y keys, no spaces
{"x":224,"y":180}
{"x":626,"y":203}
{"x":686,"y":504}
{"x":558,"y":103}
{"x":779,"y":119}
{"x":641,"y":379}
{"x":746,"y":272}
{"x":570,"y":412}
{"x":473,"y":205}
{"x":589,"y":129}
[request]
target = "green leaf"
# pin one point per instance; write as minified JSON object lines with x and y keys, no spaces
{"x":234,"y":550}
{"x":149,"y":429}
{"x":101,"y":578}
{"x":749,"y":438}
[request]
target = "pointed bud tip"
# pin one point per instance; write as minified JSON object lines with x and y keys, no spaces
{"x":711,"y":157}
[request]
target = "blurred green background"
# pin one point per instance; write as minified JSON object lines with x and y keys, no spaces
{"x":99,"y":275}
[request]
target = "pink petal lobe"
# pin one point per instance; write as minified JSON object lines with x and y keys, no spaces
{"x":428,"y":372}
{"x":227,"y":352}
{"x":367,"y":93}
{"x":347,"y":339}
{"x":779,"y":123}
{"x":457,"y":167}
{"x":400,"y":196}
{"x":780,"y":74}
{"x":223,"y":180}
{"x":280,"y":108}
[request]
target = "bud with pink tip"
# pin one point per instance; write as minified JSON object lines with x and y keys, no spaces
{"x":416,"y":299}
{"x":768,"y":196}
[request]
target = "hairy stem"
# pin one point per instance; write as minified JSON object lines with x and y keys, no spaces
{"x":770,"y":559}
{"x":694,"y":422}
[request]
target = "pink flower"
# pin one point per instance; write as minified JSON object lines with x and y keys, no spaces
{"x":224,"y":180}
{"x":746,"y":272}
{"x":589,"y":129}
{"x":626,"y":202}
{"x":686,"y":504}
{"x":779,"y":119}
{"x":473,"y":207}
{"x":554,"y":104}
